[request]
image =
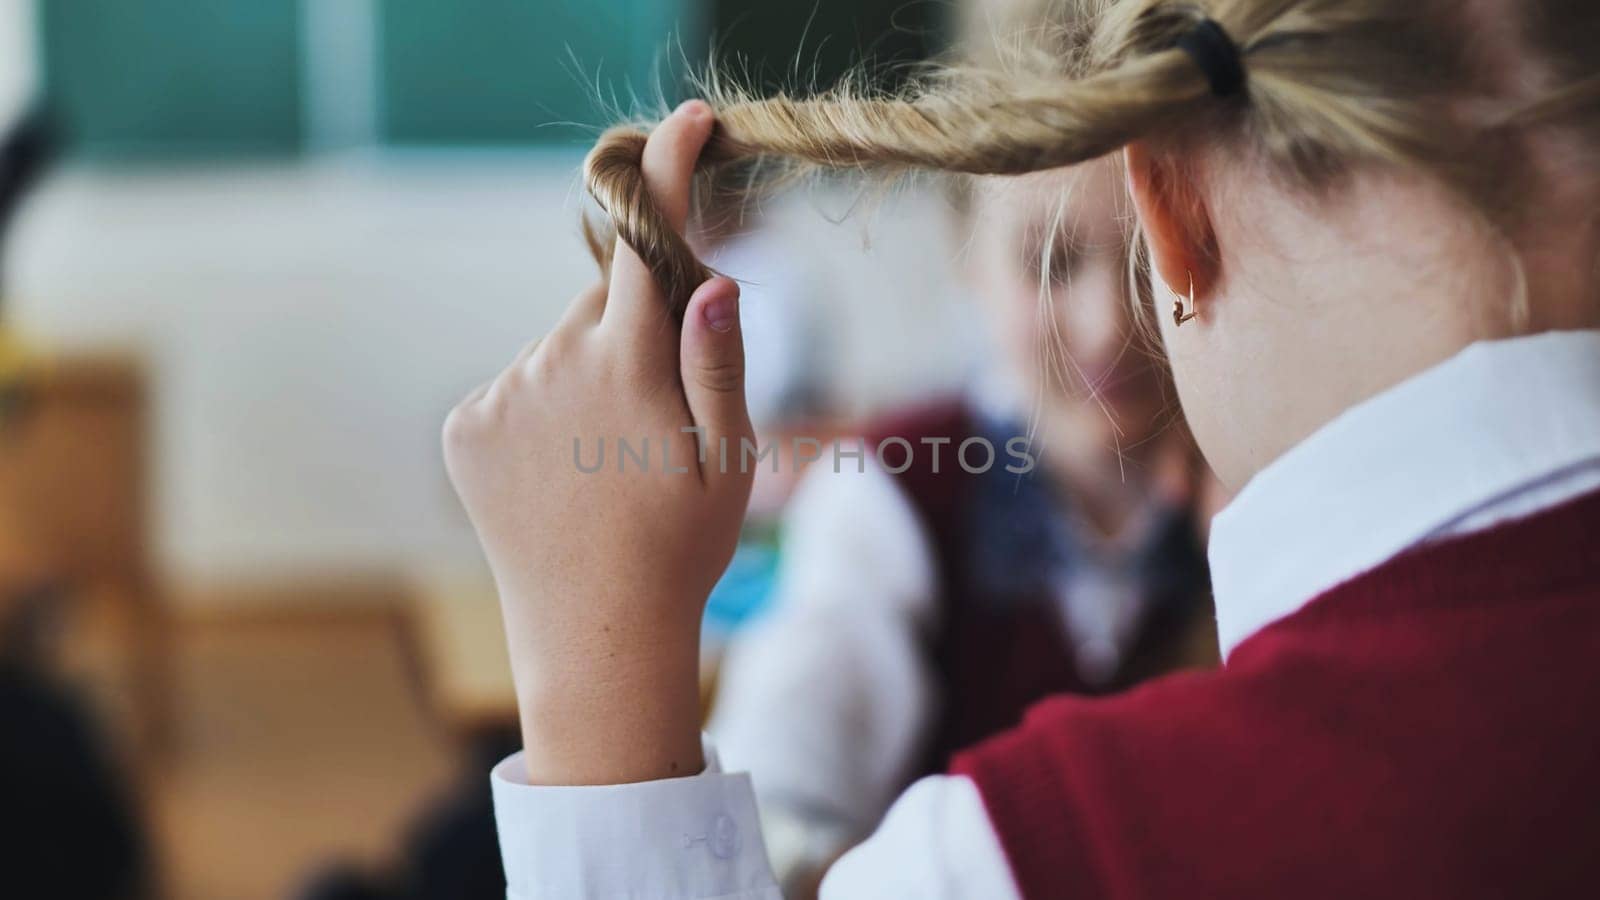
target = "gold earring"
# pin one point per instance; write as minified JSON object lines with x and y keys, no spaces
{"x":1178,"y":315}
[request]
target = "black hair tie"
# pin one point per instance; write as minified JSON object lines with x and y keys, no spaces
{"x":1217,"y":56}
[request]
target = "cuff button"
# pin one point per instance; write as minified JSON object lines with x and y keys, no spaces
{"x":724,"y":838}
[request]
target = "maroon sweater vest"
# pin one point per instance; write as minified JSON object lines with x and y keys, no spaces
{"x":1428,"y":729}
{"x":993,"y":657}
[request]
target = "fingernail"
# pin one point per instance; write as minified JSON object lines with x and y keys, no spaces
{"x":692,"y":108}
{"x":722,"y":313}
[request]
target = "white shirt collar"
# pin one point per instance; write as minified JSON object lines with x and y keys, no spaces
{"x":1504,"y":426}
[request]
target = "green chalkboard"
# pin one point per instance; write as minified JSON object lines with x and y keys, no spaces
{"x":210,"y":77}
{"x":164,"y":77}
{"x":811,"y":43}
{"x":520,"y":71}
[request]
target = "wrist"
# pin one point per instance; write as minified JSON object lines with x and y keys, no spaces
{"x":617,"y":704}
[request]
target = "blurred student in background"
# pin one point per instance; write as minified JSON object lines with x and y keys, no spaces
{"x":786,"y":378}
{"x":921,"y":611}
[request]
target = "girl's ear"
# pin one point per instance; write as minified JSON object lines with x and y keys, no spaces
{"x":1183,"y":244}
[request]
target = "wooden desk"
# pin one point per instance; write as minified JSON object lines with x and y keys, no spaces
{"x":460,"y":648}
{"x":459,"y":643}
{"x":74,"y":505}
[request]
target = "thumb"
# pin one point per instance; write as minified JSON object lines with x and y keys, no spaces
{"x":712,"y":357}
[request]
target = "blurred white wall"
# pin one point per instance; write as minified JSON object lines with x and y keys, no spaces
{"x":18,"y":73}
{"x":310,"y":325}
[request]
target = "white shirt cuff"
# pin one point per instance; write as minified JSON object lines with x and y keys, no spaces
{"x":693,"y":838}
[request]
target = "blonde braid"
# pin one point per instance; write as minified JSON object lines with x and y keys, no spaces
{"x":1329,"y":83}
{"x":967,"y":125}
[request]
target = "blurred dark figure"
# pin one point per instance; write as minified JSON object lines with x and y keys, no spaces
{"x":28,"y":147}
{"x":68,"y":820}
{"x":69,"y":823}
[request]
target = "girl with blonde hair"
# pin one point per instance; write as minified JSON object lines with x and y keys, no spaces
{"x":1375,"y":226}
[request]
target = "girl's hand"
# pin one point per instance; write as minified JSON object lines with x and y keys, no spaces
{"x":603,"y":575}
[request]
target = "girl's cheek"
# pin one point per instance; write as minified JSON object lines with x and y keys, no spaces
{"x":1014,"y":317}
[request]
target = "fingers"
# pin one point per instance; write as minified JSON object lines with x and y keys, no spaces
{"x":587,"y":308}
{"x":582,"y":313}
{"x":669,"y":162}
{"x":712,"y":361}
{"x":670,"y":156}
{"x":476,"y":394}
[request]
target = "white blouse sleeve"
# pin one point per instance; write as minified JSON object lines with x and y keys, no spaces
{"x":693,"y":838}
{"x":699,"y":838}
